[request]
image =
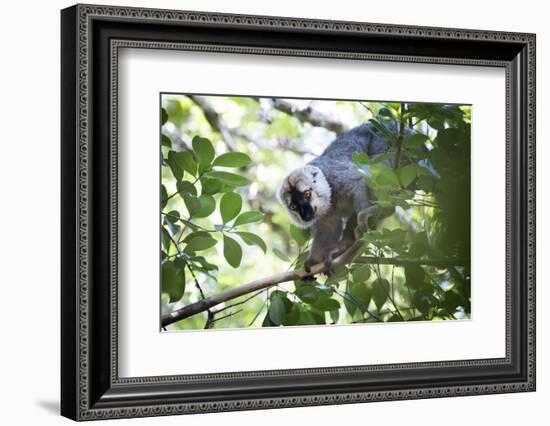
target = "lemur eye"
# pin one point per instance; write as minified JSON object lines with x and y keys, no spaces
{"x":307,"y":194}
{"x":292,"y":206}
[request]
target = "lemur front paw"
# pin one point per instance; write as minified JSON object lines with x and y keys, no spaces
{"x":309,"y":278}
{"x":328,"y":257}
{"x":326,"y":261}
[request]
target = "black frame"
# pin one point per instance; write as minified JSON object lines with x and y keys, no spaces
{"x":91,"y":37}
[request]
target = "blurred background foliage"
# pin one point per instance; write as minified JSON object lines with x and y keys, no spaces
{"x":223,"y":159}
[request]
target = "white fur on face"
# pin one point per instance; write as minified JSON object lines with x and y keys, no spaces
{"x":303,"y":179}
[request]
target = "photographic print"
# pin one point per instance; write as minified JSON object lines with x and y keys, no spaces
{"x":299,"y":212}
{"x":265,"y":210}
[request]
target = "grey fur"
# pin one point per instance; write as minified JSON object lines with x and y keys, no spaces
{"x":349,"y":195}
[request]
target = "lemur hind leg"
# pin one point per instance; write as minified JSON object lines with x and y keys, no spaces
{"x":349,"y":230}
{"x":348,"y":238}
{"x":326,"y":236}
{"x":369,"y":218}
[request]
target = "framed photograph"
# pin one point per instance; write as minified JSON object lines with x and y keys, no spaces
{"x":263,"y":212}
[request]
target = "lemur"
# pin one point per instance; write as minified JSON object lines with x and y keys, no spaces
{"x":329,"y":191}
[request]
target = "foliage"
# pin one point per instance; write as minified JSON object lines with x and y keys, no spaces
{"x":202,"y":186}
{"x":221,"y":225}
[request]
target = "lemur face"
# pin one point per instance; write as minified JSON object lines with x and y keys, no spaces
{"x":300,"y":202}
{"x":306,"y":194}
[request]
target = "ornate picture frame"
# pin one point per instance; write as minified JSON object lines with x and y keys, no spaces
{"x":91,"y":37}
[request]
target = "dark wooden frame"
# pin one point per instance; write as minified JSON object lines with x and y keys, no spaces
{"x":91,"y":37}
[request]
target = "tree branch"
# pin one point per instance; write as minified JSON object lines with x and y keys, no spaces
{"x":215,"y":120}
{"x":272,"y":280}
{"x":229,"y":134}
{"x":180,"y":141}
{"x":309,"y":115}
{"x":283,"y":144}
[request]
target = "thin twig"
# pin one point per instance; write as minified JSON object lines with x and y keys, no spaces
{"x":224,"y":317}
{"x":400,"y":138}
{"x":188,"y":223}
{"x":257,"y":314}
{"x":239,"y":303}
{"x":190,"y":270}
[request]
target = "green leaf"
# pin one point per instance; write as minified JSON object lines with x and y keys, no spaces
{"x":210,"y":185}
{"x":293,"y":316}
{"x":207,"y":206}
{"x":451,"y":136}
{"x":341,"y":273}
{"x":300,"y":235}
{"x":309,"y":317}
{"x":171,"y":220}
{"x":281,"y":255}
{"x":186,"y":161}
{"x":204,"y":264}
{"x":196,"y":234}
{"x":192,"y":203}
{"x":163,"y":116}
{"x":248,"y":217}
{"x":395,"y":237}
{"x":200,"y":243}
{"x":186,"y":187}
{"x":267,"y":322}
{"x":177,"y":171}
{"x":163,"y":196}
{"x":173,"y":279}
{"x":166,"y":141}
{"x":385,"y":177}
{"x":361,"y":274}
{"x":382,"y":157}
{"x":412,"y":141}
{"x":437,"y":123}
{"x":232,"y":251}
{"x":380,"y":177}
{"x":232,"y":159}
{"x":414,"y":275}
{"x":422,"y":300}
{"x":360,"y":294}
{"x":360,"y":158}
{"x":252,"y":239}
{"x":308,"y":293}
{"x":204,"y":150}
{"x":349,"y":302}
{"x":380,"y":292}
{"x":230,"y":206}
{"x":277,"y":310}
{"x":407,"y":174}
{"x":229,"y":178}
{"x":451,"y":300}
{"x":317,"y":315}
{"x":166,"y":241}
{"x":382,"y":129}
{"x":327,"y":304}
